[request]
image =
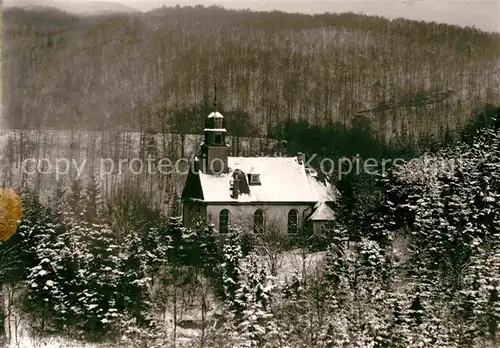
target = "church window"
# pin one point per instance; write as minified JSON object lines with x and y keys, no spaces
{"x":293,"y":221}
{"x":259,"y":221}
{"x":224,"y":221}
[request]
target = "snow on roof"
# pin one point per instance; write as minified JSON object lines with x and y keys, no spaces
{"x":215,"y":114}
{"x":324,"y":192}
{"x":282,"y":179}
{"x":322,"y":213}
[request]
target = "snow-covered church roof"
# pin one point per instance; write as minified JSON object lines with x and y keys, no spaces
{"x":282,"y":180}
{"x":322,"y":212}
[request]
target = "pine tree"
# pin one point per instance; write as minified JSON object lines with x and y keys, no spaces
{"x":92,"y":202}
{"x":136,"y":275}
{"x":177,"y":235}
{"x":74,"y":199}
{"x":176,"y":206}
{"x":336,"y":266}
{"x":53,"y":272}
{"x":201,"y":247}
{"x":254,"y":320}
{"x":231,"y":272}
{"x":102,"y":276}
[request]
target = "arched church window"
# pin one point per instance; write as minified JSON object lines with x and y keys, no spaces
{"x":224,"y":221}
{"x":293,"y":221}
{"x":259,"y":221}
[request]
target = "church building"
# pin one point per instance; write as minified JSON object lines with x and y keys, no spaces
{"x":259,"y":194}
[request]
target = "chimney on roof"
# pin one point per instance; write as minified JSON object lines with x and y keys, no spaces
{"x":300,"y":158}
{"x":236,"y":188}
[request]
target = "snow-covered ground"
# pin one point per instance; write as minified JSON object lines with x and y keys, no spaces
{"x":296,"y":261}
{"x":52,"y":342}
{"x":20,"y":336}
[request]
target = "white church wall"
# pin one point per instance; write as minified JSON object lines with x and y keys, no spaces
{"x":243,"y":215}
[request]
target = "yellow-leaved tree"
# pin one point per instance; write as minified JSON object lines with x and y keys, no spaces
{"x":11,"y":212}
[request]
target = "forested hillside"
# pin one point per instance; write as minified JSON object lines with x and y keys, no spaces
{"x":412,"y":259}
{"x":140,"y":70}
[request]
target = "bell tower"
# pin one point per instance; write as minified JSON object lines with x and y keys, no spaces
{"x":214,"y":150}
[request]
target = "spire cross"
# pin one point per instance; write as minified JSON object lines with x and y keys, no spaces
{"x":215,"y":96}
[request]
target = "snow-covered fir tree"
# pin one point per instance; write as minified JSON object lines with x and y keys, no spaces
{"x":253,"y":319}
{"x":230,"y":267}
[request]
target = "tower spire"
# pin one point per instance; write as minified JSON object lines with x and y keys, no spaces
{"x":215,"y":95}
{"x":214,"y":146}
